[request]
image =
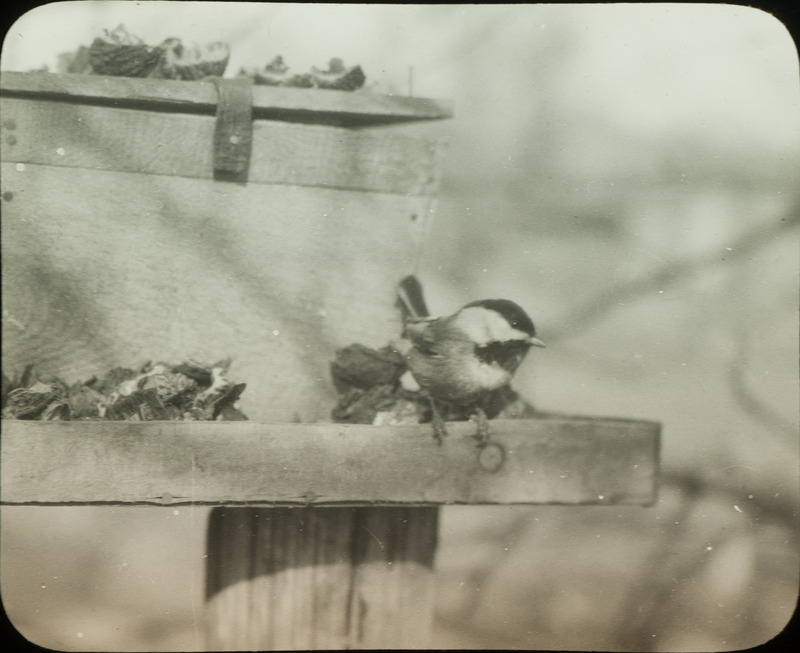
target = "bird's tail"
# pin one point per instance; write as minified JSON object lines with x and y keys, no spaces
{"x":411,"y":299}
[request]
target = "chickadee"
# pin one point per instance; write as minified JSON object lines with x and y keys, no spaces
{"x":463,"y":358}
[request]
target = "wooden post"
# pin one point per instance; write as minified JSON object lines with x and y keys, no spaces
{"x":320,"y":578}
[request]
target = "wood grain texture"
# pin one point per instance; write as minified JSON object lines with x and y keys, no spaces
{"x":104,"y":269}
{"x":288,"y":104}
{"x":569,"y":461}
{"x":127,"y":140}
{"x":118,"y":247}
{"x":320,"y":578}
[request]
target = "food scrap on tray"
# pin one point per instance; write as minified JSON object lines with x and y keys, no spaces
{"x":155,"y":391}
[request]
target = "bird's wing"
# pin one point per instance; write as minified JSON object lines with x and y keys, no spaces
{"x":421,"y":334}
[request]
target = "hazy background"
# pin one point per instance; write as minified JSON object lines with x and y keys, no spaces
{"x":629,"y":174}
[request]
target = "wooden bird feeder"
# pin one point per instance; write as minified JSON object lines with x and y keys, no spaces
{"x":167,"y":220}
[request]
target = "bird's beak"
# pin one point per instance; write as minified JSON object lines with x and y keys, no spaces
{"x":536,"y":342}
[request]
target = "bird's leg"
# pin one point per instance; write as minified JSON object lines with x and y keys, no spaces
{"x":482,"y":434}
{"x":439,"y":428}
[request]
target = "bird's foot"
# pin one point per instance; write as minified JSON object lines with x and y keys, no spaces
{"x":482,"y":434}
{"x":439,"y":428}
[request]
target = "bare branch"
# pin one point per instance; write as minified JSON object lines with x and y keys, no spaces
{"x":677,"y":271}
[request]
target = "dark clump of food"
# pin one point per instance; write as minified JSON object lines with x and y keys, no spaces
{"x":275,"y":73}
{"x":189,"y":391}
{"x":120,"y":53}
{"x":361,"y":367}
{"x":368,"y":383}
{"x":336,"y":77}
{"x":192,"y":62}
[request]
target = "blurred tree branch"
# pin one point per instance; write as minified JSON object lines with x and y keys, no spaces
{"x":744,"y":395}
{"x":652,"y":600}
{"x":657,"y":586}
{"x":677,"y":271}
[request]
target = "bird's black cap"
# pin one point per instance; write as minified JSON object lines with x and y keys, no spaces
{"x":513,"y":313}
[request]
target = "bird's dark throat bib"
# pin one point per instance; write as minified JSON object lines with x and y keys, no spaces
{"x":506,"y":354}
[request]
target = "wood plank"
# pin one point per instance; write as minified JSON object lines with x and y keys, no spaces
{"x":127,"y":140}
{"x":351,"y":109}
{"x":554,"y":460}
{"x":104,"y":269}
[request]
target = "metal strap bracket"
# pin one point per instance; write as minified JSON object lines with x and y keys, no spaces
{"x":233,"y":131}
